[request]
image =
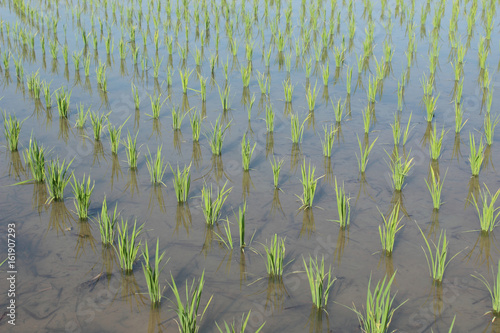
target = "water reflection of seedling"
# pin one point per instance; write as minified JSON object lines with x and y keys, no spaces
{"x":127,"y":248}
{"x":212,"y":205}
{"x":389,"y":229}
{"x":493,"y":290}
{"x":152,"y":273}
{"x":82,"y":192}
{"x":12,"y":129}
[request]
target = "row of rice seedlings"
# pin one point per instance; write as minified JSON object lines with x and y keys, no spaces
{"x":436,"y":143}
{"x":488,"y":215}
{"x":309,"y":184}
{"x":329,"y":138}
{"x":211,"y":205}
{"x":131,"y":150}
{"x":476,"y":155}
{"x":82,"y":192}
{"x":493,"y":290}
{"x":320,"y":281}
{"x":182,"y":183}
{"x":364,"y":152}
{"x":34,"y":158}
{"x":187,"y":311}
{"x":97,"y":121}
{"x":343,"y":206}
{"x":152,"y":273}
{"x":216,"y":136}
{"x":127,"y":248}
{"x":57,"y":179}
{"x":246,"y":152}
{"x":389,"y":229}
{"x":12,"y":129}
{"x":231,"y":328}
{"x":107,"y":224}
{"x":156,"y":166}
{"x":63,"y":100}
{"x":435,"y":188}
{"x":400,"y":167}
{"x":275,"y":257}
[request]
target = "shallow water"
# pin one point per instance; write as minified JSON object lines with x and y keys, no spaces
{"x":67,"y":281}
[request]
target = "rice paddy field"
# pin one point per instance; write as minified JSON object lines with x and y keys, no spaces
{"x":272,"y":165}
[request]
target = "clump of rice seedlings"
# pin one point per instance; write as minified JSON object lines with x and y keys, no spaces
{"x":224,"y":97}
{"x":269,"y":118}
{"x":127,"y":248}
{"x":81,"y":116}
{"x":156,"y":166}
{"x":135,"y":94}
{"x":228,"y":242}
{"x":264,"y":83}
{"x":82,"y":192}
{"x":101,"y":76}
{"x":276,"y":167}
{"x":435,"y":188}
{"x":488,"y":215}
{"x":107,"y":224}
{"x":216,"y":137}
{"x":57,"y":179}
{"x":97,"y":121}
{"x":11,"y":130}
{"x":476,"y":155}
{"x":297,"y":129}
{"x":459,"y":114}
{"x":246,"y":75}
{"x":379,"y":309}
{"x":152,"y":274}
{"x":372,"y":89}
{"x":493,"y":290}
{"x":232,"y":327}
{"x":309,"y":184}
{"x":436,"y":143}
{"x":241,"y":225}
{"x":388,"y":231}
{"x":131,"y":150}
{"x":366,"y":119}
{"x":211,"y":205}
{"x":288,"y":89}
{"x":182,"y":183}
{"x":489,"y":128}
{"x":329,"y":138}
{"x":34,"y":157}
{"x":320,"y":281}
{"x":187,"y":313}
{"x":156,"y":105}
{"x":86,"y":65}
{"x":430,"y":106}
{"x":177,"y":118}
{"x":275,"y":257}
{"x":343,"y":206}
{"x":246,"y":152}
{"x":338,"y":110}
{"x":326,"y":73}
{"x":185,"y":79}
{"x":195,"y":121}
{"x":311,"y":95}
{"x":407,"y":131}
{"x":396,"y":129}
{"x":115,"y":134}
{"x":47,"y":94}
{"x":437,"y":263}
{"x":400,"y":167}
{"x":203,"y":88}
{"x":364,"y":152}
{"x":62,"y":99}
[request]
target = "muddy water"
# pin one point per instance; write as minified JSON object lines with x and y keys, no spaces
{"x":67,"y":281}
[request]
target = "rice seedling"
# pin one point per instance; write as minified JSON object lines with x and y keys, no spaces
{"x":364,"y":152}
{"x":326,"y":74}
{"x":275,"y":257}
{"x":308,"y":68}
{"x":82,"y":192}
{"x":115,"y":136}
{"x":436,"y":143}
{"x":288,"y":89}
{"x":311,"y":95}
{"x":493,"y":290}
{"x":435,"y":188}
{"x":379,"y":309}
{"x":224,"y":97}
{"x":187,"y":313}
{"x":156,"y":105}
{"x":107,"y":224}
{"x":269,"y":118}
{"x":97,"y":121}
{"x":57,"y":179}
{"x":185,"y":79}
{"x":241,"y":225}
{"x":203,"y":88}
{"x":246,"y":152}
{"x":216,"y":136}
{"x":430,"y":106}
{"x":12,"y":129}
{"x":437,"y":263}
{"x":246,"y":74}
{"x":338,"y":110}
{"x":211,"y":205}
{"x":320,"y":281}
{"x":489,"y":128}
{"x":182,"y":183}
{"x":156,"y":166}
{"x":63,"y":98}
{"x":34,"y":158}
{"x":400,"y":167}
{"x":86,"y":65}
{"x":127,"y":248}
{"x":131,"y":150}
{"x":81,"y":116}
{"x":232,"y":327}
{"x":488,"y":215}
{"x":366,"y":119}
{"x":309,"y":184}
{"x":47,"y":94}
{"x":135,"y":94}
{"x":152,"y":274}
{"x":195,"y":121}
{"x":276,"y":167}
{"x":396,"y":129}
{"x":389,"y":229}
{"x":476,"y":155}
{"x":327,"y":142}
{"x":372,"y":89}
{"x":264,"y":83}
{"x":297,"y":129}
{"x":407,"y":131}
{"x":54,"y":49}
{"x":459,"y":114}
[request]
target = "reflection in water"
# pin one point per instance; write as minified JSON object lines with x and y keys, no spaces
{"x":40,"y":197}
{"x":16,"y":168}
{"x":98,"y":153}
{"x":295,"y":156}
{"x":326,"y":95}
{"x":276,"y":204}
{"x":132,"y":183}
{"x":311,"y":120}
{"x":210,"y":236}
{"x":342,"y":241}
{"x":269,"y":144}
{"x":427,"y":134}
{"x":131,"y":292}
{"x":196,"y":156}
{"x":288,"y":109}
{"x":154,"y":323}
{"x":397,"y":200}
{"x":308,"y":226}
{"x":347,"y":106}
{"x":177,"y":141}
{"x":243,"y":269}
{"x":327,"y":164}
{"x":473,"y":192}
{"x":363,"y":184}
{"x":218,"y":169}
{"x":116,"y":170}
{"x":487,"y":160}
{"x":275,"y":294}
{"x":316,"y":320}
{"x":85,"y":238}
{"x":156,"y":130}
{"x":64,"y":129}
{"x":156,"y":196}
{"x":60,"y":217}
{"x":109,"y":260}
{"x":388,"y":263}
{"x":338,"y":132}
{"x":246,"y":181}
{"x":137,"y":118}
{"x":484,"y":255}
{"x":182,"y":217}
{"x":434,"y":226}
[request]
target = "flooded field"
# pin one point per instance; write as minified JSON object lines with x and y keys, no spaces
{"x":249,"y":141}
